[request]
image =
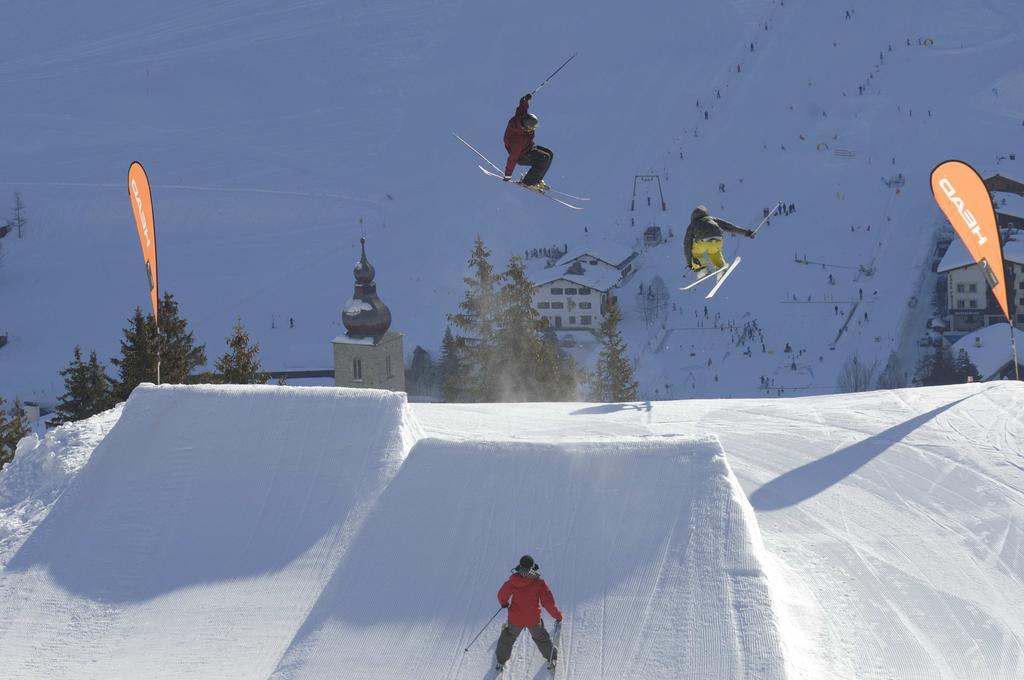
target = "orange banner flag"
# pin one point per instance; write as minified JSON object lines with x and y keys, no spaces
{"x":964,"y":198}
{"x":142,"y":208}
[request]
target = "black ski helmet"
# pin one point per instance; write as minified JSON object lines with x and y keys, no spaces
{"x":530,"y":122}
{"x":526,"y":563}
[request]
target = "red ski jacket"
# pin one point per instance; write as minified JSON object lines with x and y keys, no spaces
{"x":527,"y":593}
{"x":518,"y":140}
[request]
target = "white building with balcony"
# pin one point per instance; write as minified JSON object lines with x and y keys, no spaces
{"x":970,"y":304}
{"x":574,"y":297}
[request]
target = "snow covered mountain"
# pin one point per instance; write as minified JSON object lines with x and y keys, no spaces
{"x":275,"y":532}
{"x":276,"y":134}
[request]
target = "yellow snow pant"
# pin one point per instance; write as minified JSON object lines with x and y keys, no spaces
{"x":708,"y":250}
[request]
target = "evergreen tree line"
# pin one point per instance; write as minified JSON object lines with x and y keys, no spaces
{"x":503,"y":350}
{"x":13,"y":426}
{"x":90,"y":389}
{"x":935,"y":368}
{"x":942,"y":368}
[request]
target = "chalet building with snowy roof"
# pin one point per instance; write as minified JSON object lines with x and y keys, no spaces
{"x":602,"y":254}
{"x":369,"y":354}
{"x":574,"y":294}
{"x":1008,"y":200}
{"x":969,"y":300}
{"x":989,"y":349}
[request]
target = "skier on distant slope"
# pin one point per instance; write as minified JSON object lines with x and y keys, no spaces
{"x":703,"y":240}
{"x":521,"y":149}
{"x":527,"y":591}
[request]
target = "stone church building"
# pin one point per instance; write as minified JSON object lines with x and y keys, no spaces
{"x":369,"y":354}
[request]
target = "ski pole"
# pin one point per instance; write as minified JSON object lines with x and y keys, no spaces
{"x":474,"y":150}
{"x":768,"y":216}
{"x":482,"y":630}
{"x":553,"y":74}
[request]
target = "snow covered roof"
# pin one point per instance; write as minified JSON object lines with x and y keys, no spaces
{"x":957,"y":256}
{"x":1008,"y":204}
{"x":598,"y":278}
{"x":611,"y":252}
{"x":988,"y":347}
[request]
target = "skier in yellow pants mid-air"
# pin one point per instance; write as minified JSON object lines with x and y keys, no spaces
{"x":703,"y":241}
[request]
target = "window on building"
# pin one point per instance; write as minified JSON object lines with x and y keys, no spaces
{"x":1021,"y":285}
{"x":960,"y":288}
{"x":357,"y":370}
{"x":570,"y":291}
{"x":557,"y":305}
{"x":387,"y":366}
{"x":593,"y":262}
{"x":584,"y":291}
{"x":1020,"y":318}
{"x":960,"y":304}
{"x":572,"y":320}
{"x":972,"y":303}
{"x":556,"y":291}
{"x":972,"y":288}
{"x":543,"y":305}
{"x":585,"y":305}
{"x":558,"y":322}
{"x":586,"y":320}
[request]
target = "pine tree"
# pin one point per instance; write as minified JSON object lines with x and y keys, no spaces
{"x":88,"y":390}
{"x":137,"y":363}
{"x":528,"y":364}
{"x":937,"y":368}
{"x":179,"y":356}
{"x":476,"y":321}
{"x":13,"y":426}
{"x":421,"y":376}
{"x":614,"y":380}
{"x":241,"y":364}
{"x":964,"y":368}
{"x":6,"y":454}
{"x":451,"y":368}
{"x":143,"y":343}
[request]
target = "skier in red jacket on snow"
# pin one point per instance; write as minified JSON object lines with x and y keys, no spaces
{"x":521,"y":149}
{"x":523,"y":593}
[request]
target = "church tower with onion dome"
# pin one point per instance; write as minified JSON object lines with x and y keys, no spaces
{"x":369,"y":354}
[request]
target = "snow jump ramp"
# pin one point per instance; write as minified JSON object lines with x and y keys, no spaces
{"x":315,"y":533}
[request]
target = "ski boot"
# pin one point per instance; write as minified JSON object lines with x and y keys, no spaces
{"x":499,"y":669}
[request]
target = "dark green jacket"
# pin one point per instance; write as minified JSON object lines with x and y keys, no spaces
{"x":704,"y":227}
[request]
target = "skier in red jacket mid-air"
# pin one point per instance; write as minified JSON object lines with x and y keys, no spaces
{"x":521,"y":149}
{"x":523,"y":593}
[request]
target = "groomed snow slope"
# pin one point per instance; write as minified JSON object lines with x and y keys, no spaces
{"x":893,"y":520}
{"x":284,"y":532}
{"x":892,"y":524}
{"x":200,"y":533}
{"x":649,"y":546}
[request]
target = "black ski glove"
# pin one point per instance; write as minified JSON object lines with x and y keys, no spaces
{"x":504,"y":605}
{"x":751,"y":234}
{"x":527,"y":96}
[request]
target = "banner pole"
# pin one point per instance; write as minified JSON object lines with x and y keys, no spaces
{"x":1013,"y":346}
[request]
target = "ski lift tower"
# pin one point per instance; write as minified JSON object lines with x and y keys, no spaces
{"x":647,"y":178}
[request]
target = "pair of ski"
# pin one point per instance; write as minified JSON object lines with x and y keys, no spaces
{"x":720,"y":277}
{"x":546,"y":193}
